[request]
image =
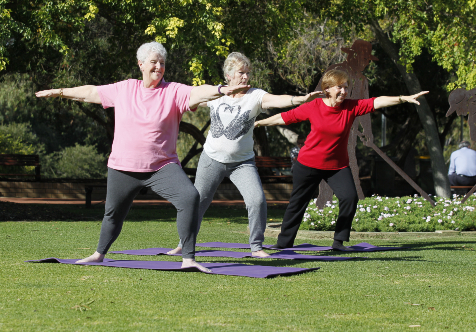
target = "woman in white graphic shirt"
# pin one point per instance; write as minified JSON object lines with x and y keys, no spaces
{"x":228,"y":150}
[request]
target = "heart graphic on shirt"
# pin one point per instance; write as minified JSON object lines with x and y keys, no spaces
{"x":238,"y":127}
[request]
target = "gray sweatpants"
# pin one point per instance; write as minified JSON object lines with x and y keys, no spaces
{"x":170,"y":182}
{"x":244,"y":175}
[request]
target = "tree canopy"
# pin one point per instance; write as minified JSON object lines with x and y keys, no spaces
{"x":79,"y":42}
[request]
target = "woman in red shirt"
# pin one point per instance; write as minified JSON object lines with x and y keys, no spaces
{"x":324,"y":155}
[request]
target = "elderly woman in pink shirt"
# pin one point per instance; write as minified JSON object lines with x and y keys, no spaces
{"x":147,"y":117}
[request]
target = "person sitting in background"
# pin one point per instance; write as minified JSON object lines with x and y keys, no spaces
{"x":462,"y":171}
{"x":295,"y":150}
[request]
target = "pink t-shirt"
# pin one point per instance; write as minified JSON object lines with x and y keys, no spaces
{"x":146,"y":123}
{"x":326,"y":144}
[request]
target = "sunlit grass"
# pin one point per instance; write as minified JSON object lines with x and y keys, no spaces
{"x":430,"y":285}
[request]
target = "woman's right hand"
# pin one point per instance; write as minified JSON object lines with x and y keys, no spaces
{"x":48,"y":93}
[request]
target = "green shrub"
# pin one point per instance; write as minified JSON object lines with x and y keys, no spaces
{"x":398,"y":214}
{"x":76,"y":162}
{"x":17,"y":139}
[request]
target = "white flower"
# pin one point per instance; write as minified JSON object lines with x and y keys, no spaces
{"x":368,"y":209}
{"x":362,"y":210}
{"x":380,"y":218}
{"x":409,"y":201}
{"x":452,"y":221}
{"x":386,"y":208}
{"x":440,"y":221}
{"x":407,"y":207}
{"x":312,"y":224}
{"x":375,"y":206}
{"x":333,"y":222}
{"x":391,"y":224}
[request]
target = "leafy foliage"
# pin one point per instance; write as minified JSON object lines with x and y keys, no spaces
{"x":78,"y":162}
{"x":400,"y":214}
{"x":444,"y":27}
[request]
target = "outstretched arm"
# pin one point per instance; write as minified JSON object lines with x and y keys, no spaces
{"x":85,"y":93}
{"x":274,"y":101}
{"x":381,"y":102}
{"x":275,"y":120}
{"x":204,"y":93}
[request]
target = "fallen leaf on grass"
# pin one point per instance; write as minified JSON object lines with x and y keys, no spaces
{"x":412,"y":303}
{"x":83,"y":306}
{"x":414,"y":325}
{"x":431,"y":308}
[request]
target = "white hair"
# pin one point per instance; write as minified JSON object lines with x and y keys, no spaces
{"x":151,"y":48}
{"x":233,"y":62}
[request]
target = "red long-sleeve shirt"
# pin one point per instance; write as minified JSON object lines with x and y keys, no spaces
{"x":326,"y":144}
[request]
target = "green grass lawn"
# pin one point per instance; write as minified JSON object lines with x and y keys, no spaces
{"x":430,"y":287}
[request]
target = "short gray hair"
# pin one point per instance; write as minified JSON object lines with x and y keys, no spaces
{"x":464,"y":144}
{"x":233,"y":61}
{"x":151,"y":48}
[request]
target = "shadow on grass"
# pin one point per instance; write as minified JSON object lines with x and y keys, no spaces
{"x":459,"y":245}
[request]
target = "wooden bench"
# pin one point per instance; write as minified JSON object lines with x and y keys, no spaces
{"x":461,"y":190}
{"x":274,"y":169}
{"x":21,"y":160}
{"x":89,"y":191}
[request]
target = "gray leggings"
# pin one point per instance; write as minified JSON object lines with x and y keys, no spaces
{"x":170,"y":182}
{"x":244,"y":175}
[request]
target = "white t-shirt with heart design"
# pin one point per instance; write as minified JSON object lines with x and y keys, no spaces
{"x":230,"y":138}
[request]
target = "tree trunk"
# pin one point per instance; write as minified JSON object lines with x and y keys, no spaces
{"x":261,"y":146}
{"x":440,"y":178}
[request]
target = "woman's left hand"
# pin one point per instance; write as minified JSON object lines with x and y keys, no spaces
{"x":234,"y":89}
{"x":413,"y":98}
{"x":313,"y":95}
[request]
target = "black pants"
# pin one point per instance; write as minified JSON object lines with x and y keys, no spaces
{"x":461,"y":180}
{"x":305,"y":182}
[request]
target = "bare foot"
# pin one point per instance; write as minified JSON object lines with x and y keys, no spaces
{"x":189,"y":262}
{"x":177,"y":250}
{"x":94,"y":258}
{"x":259,"y":253}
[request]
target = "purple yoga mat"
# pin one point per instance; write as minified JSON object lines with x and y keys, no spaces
{"x":301,"y":247}
{"x":243,"y":270}
{"x":364,"y":246}
{"x":361,"y":247}
{"x":284,"y":254}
